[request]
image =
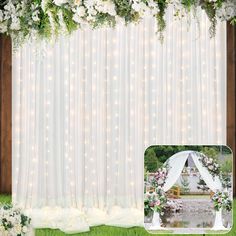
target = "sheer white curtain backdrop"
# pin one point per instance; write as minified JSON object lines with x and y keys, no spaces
{"x":85,"y":109}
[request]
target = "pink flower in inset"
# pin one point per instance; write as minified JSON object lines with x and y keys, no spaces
{"x":157,"y":202}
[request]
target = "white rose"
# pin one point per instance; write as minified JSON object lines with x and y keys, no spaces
{"x":2,"y":229}
{"x":76,"y":18}
{"x":17,"y":229}
{"x":211,"y":167}
{"x":24,"y":229}
{"x":60,"y":2}
{"x":81,"y":11}
{"x":136,"y":6}
{"x":92,"y":12}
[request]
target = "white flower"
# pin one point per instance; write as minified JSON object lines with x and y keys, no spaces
{"x":76,"y":18}
{"x":92,"y":12}
{"x":1,"y":16}
{"x":109,"y":7}
{"x":2,"y":229}
{"x":160,"y":181}
{"x":90,"y":18}
{"x":211,"y":167}
{"x":227,"y":10}
{"x":35,"y":16}
{"x":24,"y":229}
{"x":81,"y":11}
{"x":140,"y":7}
{"x":89,"y":3}
{"x":60,"y":2}
{"x":3,"y":28}
{"x":17,"y":229}
{"x":15,"y":24}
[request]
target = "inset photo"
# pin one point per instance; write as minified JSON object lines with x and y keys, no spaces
{"x":188,"y":189}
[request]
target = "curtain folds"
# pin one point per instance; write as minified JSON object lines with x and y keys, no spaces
{"x":85,"y":109}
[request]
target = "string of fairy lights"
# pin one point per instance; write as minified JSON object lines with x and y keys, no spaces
{"x":85,"y":112}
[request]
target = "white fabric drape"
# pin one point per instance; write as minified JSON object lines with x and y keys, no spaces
{"x":85,"y":109}
{"x":176,"y":164}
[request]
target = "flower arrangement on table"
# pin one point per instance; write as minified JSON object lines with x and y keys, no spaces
{"x":13,"y":222}
{"x":221,"y":200}
{"x":49,"y":18}
{"x":155,"y":201}
{"x":210,"y":164}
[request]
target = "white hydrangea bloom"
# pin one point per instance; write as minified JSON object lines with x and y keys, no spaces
{"x":153,"y":7}
{"x":81,"y":11}
{"x":105,"y":7}
{"x":227,"y":11}
{"x":17,"y":229}
{"x":15,"y":24}
{"x":140,"y":7}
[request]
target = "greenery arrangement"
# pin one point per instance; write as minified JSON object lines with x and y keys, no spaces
{"x":210,"y":164}
{"x":158,"y":178}
{"x":155,"y":201}
{"x":13,"y":222}
{"x":221,"y":200}
{"x":49,"y":18}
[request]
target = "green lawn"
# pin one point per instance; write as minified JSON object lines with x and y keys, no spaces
{"x":107,"y":230}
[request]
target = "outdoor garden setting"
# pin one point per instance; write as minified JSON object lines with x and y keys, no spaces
{"x":188,"y":191}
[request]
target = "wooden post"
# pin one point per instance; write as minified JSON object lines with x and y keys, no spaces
{"x":231,"y":93}
{"x":5,"y":114}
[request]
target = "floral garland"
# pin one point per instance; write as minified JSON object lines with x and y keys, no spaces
{"x":155,"y":201}
{"x":159,"y":177}
{"x":221,"y":200}
{"x":209,"y":163}
{"x":49,"y":18}
{"x":13,"y":222}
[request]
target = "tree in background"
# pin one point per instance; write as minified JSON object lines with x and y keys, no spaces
{"x":202,"y":185}
{"x":211,"y":152}
{"x":157,"y":155}
{"x":151,"y":162}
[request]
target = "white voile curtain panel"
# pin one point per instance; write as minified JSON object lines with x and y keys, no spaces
{"x":86,"y":107}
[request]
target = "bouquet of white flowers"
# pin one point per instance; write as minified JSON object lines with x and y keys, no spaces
{"x":13,"y":222}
